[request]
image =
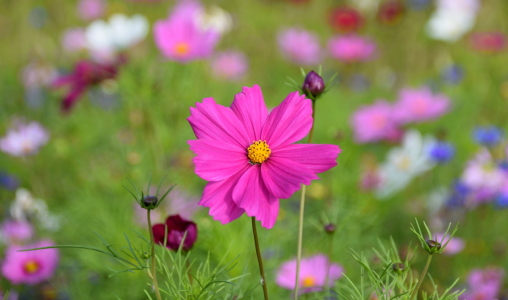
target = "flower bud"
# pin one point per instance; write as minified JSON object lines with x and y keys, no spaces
{"x":330,"y":228}
{"x":313,"y":85}
{"x":434,"y":246}
{"x":399,"y":267}
{"x":149,"y":202}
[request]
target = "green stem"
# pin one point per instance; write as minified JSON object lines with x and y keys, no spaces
{"x":260,"y":259}
{"x":420,"y":280}
{"x":330,"y":252}
{"x":154,"y":270}
{"x":300,"y":221}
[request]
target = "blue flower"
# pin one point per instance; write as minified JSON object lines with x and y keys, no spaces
{"x":502,"y":200}
{"x":442,"y":152}
{"x":452,"y":74}
{"x":488,"y":135}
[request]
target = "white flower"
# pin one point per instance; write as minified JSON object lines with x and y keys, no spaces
{"x":119,"y":33}
{"x":214,"y":18}
{"x":460,"y":6}
{"x":26,"y":208}
{"x":450,"y":25}
{"x":404,"y":163}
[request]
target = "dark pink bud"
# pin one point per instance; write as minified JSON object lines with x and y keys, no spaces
{"x":313,"y":85}
{"x":177,"y":227}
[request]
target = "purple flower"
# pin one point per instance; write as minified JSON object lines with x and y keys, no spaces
{"x":313,"y":273}
{"x":30,"y":267}
{"x":181,"y":37}
{"x":313,"y":85}
{"x":488,"y":136}
{"x":24,"y":139}
{"x":176,"y":228}
{"x":229,"y":65}
{"x":351,"y":48}
{"x":300,"y":46}
{"x":249,"y":156}
{"x":417,"y":105}
{"x":442,"y":152}
{"x":484,"y":284}
{"x":8,"y":182}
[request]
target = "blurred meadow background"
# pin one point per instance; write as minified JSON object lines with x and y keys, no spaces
{"x":88,"y":106}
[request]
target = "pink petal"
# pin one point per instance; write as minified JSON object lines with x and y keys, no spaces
{"x":317,"y":158}
{"x":250,"y":108}
{"x":216,"y":161}
{"x":288,"y":122}
{"x":251,"y":194}
{"x":212,"y":121}
{"x":218,"y":197}
{"x":283,"y":177}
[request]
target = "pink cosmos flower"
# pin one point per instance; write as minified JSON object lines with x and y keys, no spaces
{"x":351,"y":48}
{"x":312,"y":273}
{"x":375,"y":122}
{"x":38,"y":74}
{"x":24,"y":139}
{"x":230,"y":65}
{"x":300,"y":46}
{"x":249,"y":157}
{"x":90,"y":9}
{"x":488,"y":42}
{"x":484,"y":284}
{"x":74,"y":39}
{"x":417,"y":105}
{"x":31,"y":267}
{"x":455,"y":244}
{"x":15,"y":231}
{"x":181,"y":38}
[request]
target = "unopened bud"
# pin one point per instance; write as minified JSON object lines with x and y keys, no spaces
{"x":149,"y":202}
{"x":330,"y":228}
{"x":434,"y":246}
{"x":313,"y":85}
{"x":399,"y":267}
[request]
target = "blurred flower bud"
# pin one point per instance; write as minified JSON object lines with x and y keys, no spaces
{"x":434,"y":247}
{"x":330,"y":228}
{"x":399,"y":267}
{"x":149,"y":202}
{"x":313,"y":85}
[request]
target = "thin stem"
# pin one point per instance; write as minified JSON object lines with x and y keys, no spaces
{"x":330,"y":252}
{"x":154,"y":270}
{"x":260,"y":259}
{"x":420,"y":280}
{"x":300,"y":221}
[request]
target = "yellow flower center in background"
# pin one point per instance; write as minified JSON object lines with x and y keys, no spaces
{"x":258,"y":152}
{"x":31,"y":267}
{"x":182,"y":48}
{"x":308,"y":281}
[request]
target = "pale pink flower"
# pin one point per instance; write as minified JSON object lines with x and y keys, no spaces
{"x":24,"y":139}
{"x":229,"y":65}
{"x":300,"y":46}
{"x":313,"y":271}
{"x":249,"y":157}
{"x":417,"y":105}
{"x":74,"y":40}
{"x":30,"y":267}
{"x":181,"y":37}
{"x":455,"y":244}
{"x":352,"y":48}
{"x":374,"y":123}
{"x":483,"y":174}
{"x":90,"y":9}
{"x":484,"y":284}
{"x":38,"y":74}
{"x":14,"y":232}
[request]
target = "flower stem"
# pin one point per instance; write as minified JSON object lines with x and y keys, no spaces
{"x":152,"y":266}
{"x":260,"y":259}
{"x":420,"y":280}
{"x":313,"y":114}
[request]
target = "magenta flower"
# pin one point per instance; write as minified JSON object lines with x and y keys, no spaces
{"x":24,"y":139}
{"x":484,"y":284}
{"x":351,"y":48}
{"x":90,"y":9}
{"x":375,"y":122}
{"x":248,"y":155}
{"x":181,"y":38}
{"x":31,"y":267}
{"x":417,"y":105}
{"x":177,"y":227}
{"x":85,"y":75}
{"x":313,"y":272}
{"x":230,"y":65}
{"x":488,"y":42}
{"x":300,"y":46}
{"x":13,"y":232}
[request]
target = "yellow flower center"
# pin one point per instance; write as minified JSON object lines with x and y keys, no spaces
{"x":182,"y":48}
{"x":258,"y":152}
{"x":308,"y":281}
{"x":31,"y":267}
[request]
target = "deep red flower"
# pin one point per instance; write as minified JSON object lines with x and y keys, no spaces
{"x":85,"y":75}
{"x":345,"y":19}
{"x":488,"y":42}
{"x":176,"y":229}
{"x":390,"y":12}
